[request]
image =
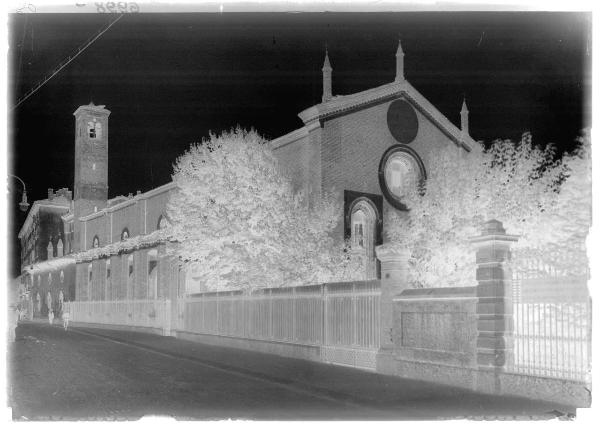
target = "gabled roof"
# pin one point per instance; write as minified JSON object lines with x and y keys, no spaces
{"x":343,"y":104}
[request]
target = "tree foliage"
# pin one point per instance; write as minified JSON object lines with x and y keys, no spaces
{"x":235,"y":216}
{"x":544,"y":200}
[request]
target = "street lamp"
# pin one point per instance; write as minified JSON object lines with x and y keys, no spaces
{"x":23,"y":204}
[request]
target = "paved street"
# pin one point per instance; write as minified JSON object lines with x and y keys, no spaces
{"x":101,"y":374}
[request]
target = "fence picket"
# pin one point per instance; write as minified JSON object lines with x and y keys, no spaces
{"x":342,"y":319}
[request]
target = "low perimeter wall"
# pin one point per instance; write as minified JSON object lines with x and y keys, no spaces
{"x":435,"y":334}
{"x":298,"y":351}
{"x":435,"y":339}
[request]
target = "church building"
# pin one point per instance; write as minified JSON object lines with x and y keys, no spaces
{"x":367,"y":148}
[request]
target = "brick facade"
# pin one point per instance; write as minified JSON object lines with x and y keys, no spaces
{"x":341,"y":145}
{"x":91,"y":165}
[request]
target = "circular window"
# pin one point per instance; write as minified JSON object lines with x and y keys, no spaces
{"x":400,"y":171}
{"x":402,"y":121}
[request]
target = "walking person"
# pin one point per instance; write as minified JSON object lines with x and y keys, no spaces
{"x":66,"y":315}
{"x":49,"y":305}
{"x":61,"y":300}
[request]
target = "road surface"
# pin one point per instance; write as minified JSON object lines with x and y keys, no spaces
{"x":99,"y":374}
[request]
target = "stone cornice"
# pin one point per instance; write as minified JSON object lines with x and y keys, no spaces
{"x":495,"y":238}
{"x":130,"y":201}
{"x":434,"y":114}
{"x":340,"y":105}
{"x":142,"y":241}
{"x":94,"y":108}
{"x":391,"y":252}
{"x":93,"y":215}
{"x":288,"y":138}
{"x":52,"y":264}
{"x":34,"y":211}
{"x":158,"y":190}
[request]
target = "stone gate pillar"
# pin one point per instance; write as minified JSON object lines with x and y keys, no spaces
{"x":495,"y":322}
{"x":394,"y":279}
{"x":171,"y":265}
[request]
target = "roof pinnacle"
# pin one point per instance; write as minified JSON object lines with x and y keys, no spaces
{"x":399,"y":52}
{"x":326,"y":63}
{"x":464,"y":105}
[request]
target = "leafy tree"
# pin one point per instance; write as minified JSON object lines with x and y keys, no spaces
{"x":545,"y":201}
{"x":235,"y":216}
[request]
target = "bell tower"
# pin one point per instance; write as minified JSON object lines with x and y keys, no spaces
{"x":91,"y":165}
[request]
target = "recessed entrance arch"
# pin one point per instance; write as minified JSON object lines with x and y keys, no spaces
{"x":363,"y":231}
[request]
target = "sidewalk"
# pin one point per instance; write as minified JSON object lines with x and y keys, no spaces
{"x":414,"y":398}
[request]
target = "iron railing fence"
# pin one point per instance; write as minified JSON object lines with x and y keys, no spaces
{"x":339,"y":314}
{"x":282,"y":315}
{"x":552,"y":320}
{"x":140,"y":313}
{"x":553,"y":340}
{"x":341,"y":318}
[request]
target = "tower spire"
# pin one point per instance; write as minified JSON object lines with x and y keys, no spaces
{"x":327,"y":70}
{"x":399,"y":63}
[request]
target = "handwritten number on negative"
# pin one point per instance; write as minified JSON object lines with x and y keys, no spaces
{"x":120,"y":7}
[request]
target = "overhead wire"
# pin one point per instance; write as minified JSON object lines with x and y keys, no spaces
{"x":66,"y":62}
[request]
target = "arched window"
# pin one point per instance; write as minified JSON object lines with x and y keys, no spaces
{"x":49,"y":279}
{"x":62,"y":276}
{"x":130,"y":277}
{"x":162,"y":222}
{"x":363,"y":221}
{"x":108,"y":287}
{"x":125,"y":234}
{"x":400,"y":172}
{"x":59,"y":248}
{"x":94,"y":129}
{"x":152,"y":274}
{"x":96,"y":242}
{"x":89,"y":284}
{"x":91,"y":130}
{"x":359,"y":228}
{"x":50,"y":249}
{"x":98,"y":129}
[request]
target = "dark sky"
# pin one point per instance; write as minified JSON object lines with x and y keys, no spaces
{"x":170,"y":78}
